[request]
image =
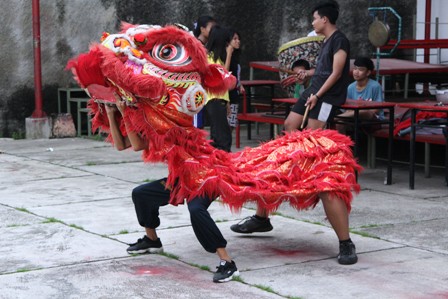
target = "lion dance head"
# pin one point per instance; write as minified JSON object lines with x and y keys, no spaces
{"x":161,"y":71}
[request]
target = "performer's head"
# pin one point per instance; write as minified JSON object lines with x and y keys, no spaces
{"x":362,"y":61}
{"x":301,"y":65}
{"x":218,"y":41}
{"x":363,"y":68}
{"x":202,"y":28}
{"x":235,"y":38}
{"x":325,"y":14}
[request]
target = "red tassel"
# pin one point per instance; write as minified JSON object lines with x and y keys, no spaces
{"x":86,"y":68}
{"x":217,"y":80}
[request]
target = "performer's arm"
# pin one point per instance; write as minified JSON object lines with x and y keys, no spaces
{"x":304,"y":74}
{"x":133,"y":137}
{"x":229,"y":52}
{"x":120,"y":141}
{"x":338,"y":67}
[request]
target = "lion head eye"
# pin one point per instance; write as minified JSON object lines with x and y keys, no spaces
{"x":167,"y":53}
{"x":172,"y":54}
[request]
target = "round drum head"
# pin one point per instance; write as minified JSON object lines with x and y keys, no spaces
{"x":379,"y":33}
{"x":306,"y":48}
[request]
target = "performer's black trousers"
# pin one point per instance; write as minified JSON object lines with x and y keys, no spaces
{"x":220,"y":131}
{"x":149,"y":197}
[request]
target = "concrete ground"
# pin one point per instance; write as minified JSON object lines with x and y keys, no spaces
{"x":66,"y":216}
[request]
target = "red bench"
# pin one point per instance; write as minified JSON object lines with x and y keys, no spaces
{"x":261,"y":117}
{"x":426,"y":139}
{"x":250,"y":85}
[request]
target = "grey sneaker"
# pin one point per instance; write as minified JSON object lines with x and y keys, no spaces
{"x":252,"y":224}
{"x":145,"y":245}
{"x":225,"y":272}
{"x":347,"y":253}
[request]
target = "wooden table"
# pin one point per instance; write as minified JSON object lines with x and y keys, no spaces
{"x":387,"y":66}
{"x":430,"y":107}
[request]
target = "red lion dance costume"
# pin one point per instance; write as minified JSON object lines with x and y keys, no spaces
{"x":162,"y":73}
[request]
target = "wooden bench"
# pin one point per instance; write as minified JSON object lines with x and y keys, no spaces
{"x":438,"y":139}
{"x":259,"y":117}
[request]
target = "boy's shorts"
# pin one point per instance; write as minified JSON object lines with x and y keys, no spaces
{"x":323,"y":112}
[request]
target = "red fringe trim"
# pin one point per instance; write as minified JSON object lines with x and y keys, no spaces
{"x":294,"y":168}
{"x":86,"y":68}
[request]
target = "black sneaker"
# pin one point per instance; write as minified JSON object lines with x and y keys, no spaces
{"x":225,"y":272}
{"x":347,"y":253}
{"x":145,"y":245}
{"x":252,"y":224}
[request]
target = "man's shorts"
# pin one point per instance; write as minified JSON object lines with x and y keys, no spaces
{"x":323,"y":112}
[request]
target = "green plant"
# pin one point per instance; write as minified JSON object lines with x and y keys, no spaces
{"x":123,"y":232}
{"x":364,"y":234}
{"x":98,"y":137}
{"x":314,"y":222}
{"x":23,"y":210}
{"x":202,"y":267}
{"x":369,"y":226}
{"x":52,"y":220}
{"x":170,"y":255}
{"x":206,"y":268}
{"x":18,"y":135}
{"x":76,"y":226}
{"x":265,"y":288}
{"x":90,"y":163}
{"x":15,"y":225}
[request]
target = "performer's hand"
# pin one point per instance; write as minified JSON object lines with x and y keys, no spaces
{"x":110,"y":108}
{"x":301,"y":76}
{"x":120,"y":104}
{"x":311,"y":101}
{"x":229,"y":50}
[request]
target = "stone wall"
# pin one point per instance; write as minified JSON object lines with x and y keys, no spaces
{"x":69,"y":26}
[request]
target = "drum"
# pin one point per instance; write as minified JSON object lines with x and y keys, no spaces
{"x":306,"y":48}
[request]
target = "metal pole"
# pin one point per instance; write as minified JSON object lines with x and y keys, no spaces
{"x":378,"y":54}
{"x":427,"y":28}
{"x":439,"y":50}
{"x":38,"y":112}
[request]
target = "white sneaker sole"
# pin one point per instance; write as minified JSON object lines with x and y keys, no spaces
{"x":236,"y":273}
{"x":149,"y":250}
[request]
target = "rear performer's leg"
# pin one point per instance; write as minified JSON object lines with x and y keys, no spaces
{"x":210,"y":237}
